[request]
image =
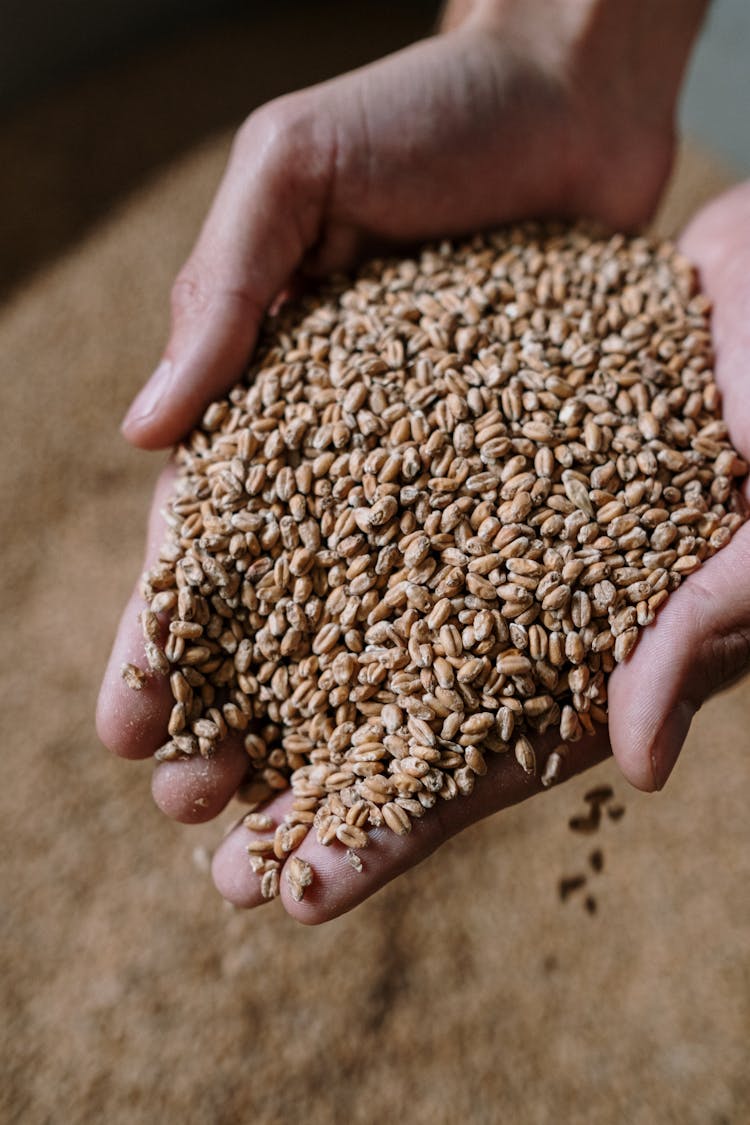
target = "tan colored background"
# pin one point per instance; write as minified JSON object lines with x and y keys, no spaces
{"x":464,"y":991}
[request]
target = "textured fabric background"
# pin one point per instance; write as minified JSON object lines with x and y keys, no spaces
{"x":465,"y":990}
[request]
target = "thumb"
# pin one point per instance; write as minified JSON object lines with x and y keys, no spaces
{"x":265,"y":216}
{"x":699,"y":643}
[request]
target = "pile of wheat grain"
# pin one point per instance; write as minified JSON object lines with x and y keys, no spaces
{"x":439,"y":510}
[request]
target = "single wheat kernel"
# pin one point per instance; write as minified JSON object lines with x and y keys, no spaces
{"x":133,"y":676}
{"x":299,"y":876}
{"x":258,"y":822}
{"x":269,"y":883}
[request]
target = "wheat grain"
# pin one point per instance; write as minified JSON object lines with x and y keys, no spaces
{"x":299,"y":876}
{"x":134,"y":677}
{"x":439,"y":511}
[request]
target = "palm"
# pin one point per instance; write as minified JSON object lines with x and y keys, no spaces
{"x":382,"y":154}
{"x":134,"y":723}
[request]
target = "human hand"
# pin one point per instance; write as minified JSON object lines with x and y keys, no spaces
{"x":526,"y":109}
{"x":485,"y":124}
{"x":700,"y":642}
{"x":193,"y":790}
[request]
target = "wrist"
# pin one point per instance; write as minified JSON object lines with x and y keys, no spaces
{"x":649,"y":39}
{"x":614,"y":70}
{"x":642,"y":43}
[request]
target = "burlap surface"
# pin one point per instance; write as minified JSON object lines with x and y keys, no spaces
{"x":465,"y":990}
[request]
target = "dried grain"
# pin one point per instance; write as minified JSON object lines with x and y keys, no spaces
{"x":134,"y":677}
{"x":440,"y":509}
{"x":299,"y":876}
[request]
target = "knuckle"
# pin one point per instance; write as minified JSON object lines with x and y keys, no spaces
{"x":265,"y":130}
{"x":187,"y":294}
{"x":722,"y":649}
{"x":699,"y":604}
{"x":195,"y":294}
{"x":727,"y":657}
{"x":278,"y":136}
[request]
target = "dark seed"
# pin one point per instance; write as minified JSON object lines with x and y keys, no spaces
{"x":596,"y":859}
{"x":567,"y":886}
{"x":600,"y":795}
{"x":585,"y":824}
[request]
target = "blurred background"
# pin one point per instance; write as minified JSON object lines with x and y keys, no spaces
{"x":466,"y":990}
{"x":716,"y":97}
{"x":76,"y":77}
{"x":44,"y":43}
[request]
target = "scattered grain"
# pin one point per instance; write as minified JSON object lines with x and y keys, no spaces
{"x":569,"y":884}
{"x":596,"y":860}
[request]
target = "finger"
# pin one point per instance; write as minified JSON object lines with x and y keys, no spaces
{"x":231,"y":868}
{"x":700,"y":639}
{"x":698,"y":644}
{"x":718,"y":242}
{"x":264,"y":218}
{"x":193,"y":790}
{"x":337,"y":887}
{"x":133,"y":723}
{"x":343,"y":244}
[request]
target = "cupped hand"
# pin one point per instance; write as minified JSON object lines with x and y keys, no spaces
{"x":700,"y":642}
{"x":511,"y":115}
{"x":508,"y":116}
{"x":193,"y":790}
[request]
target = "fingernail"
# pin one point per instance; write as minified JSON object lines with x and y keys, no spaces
{"x":666,"y":747}
{"x":147,"y":400}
